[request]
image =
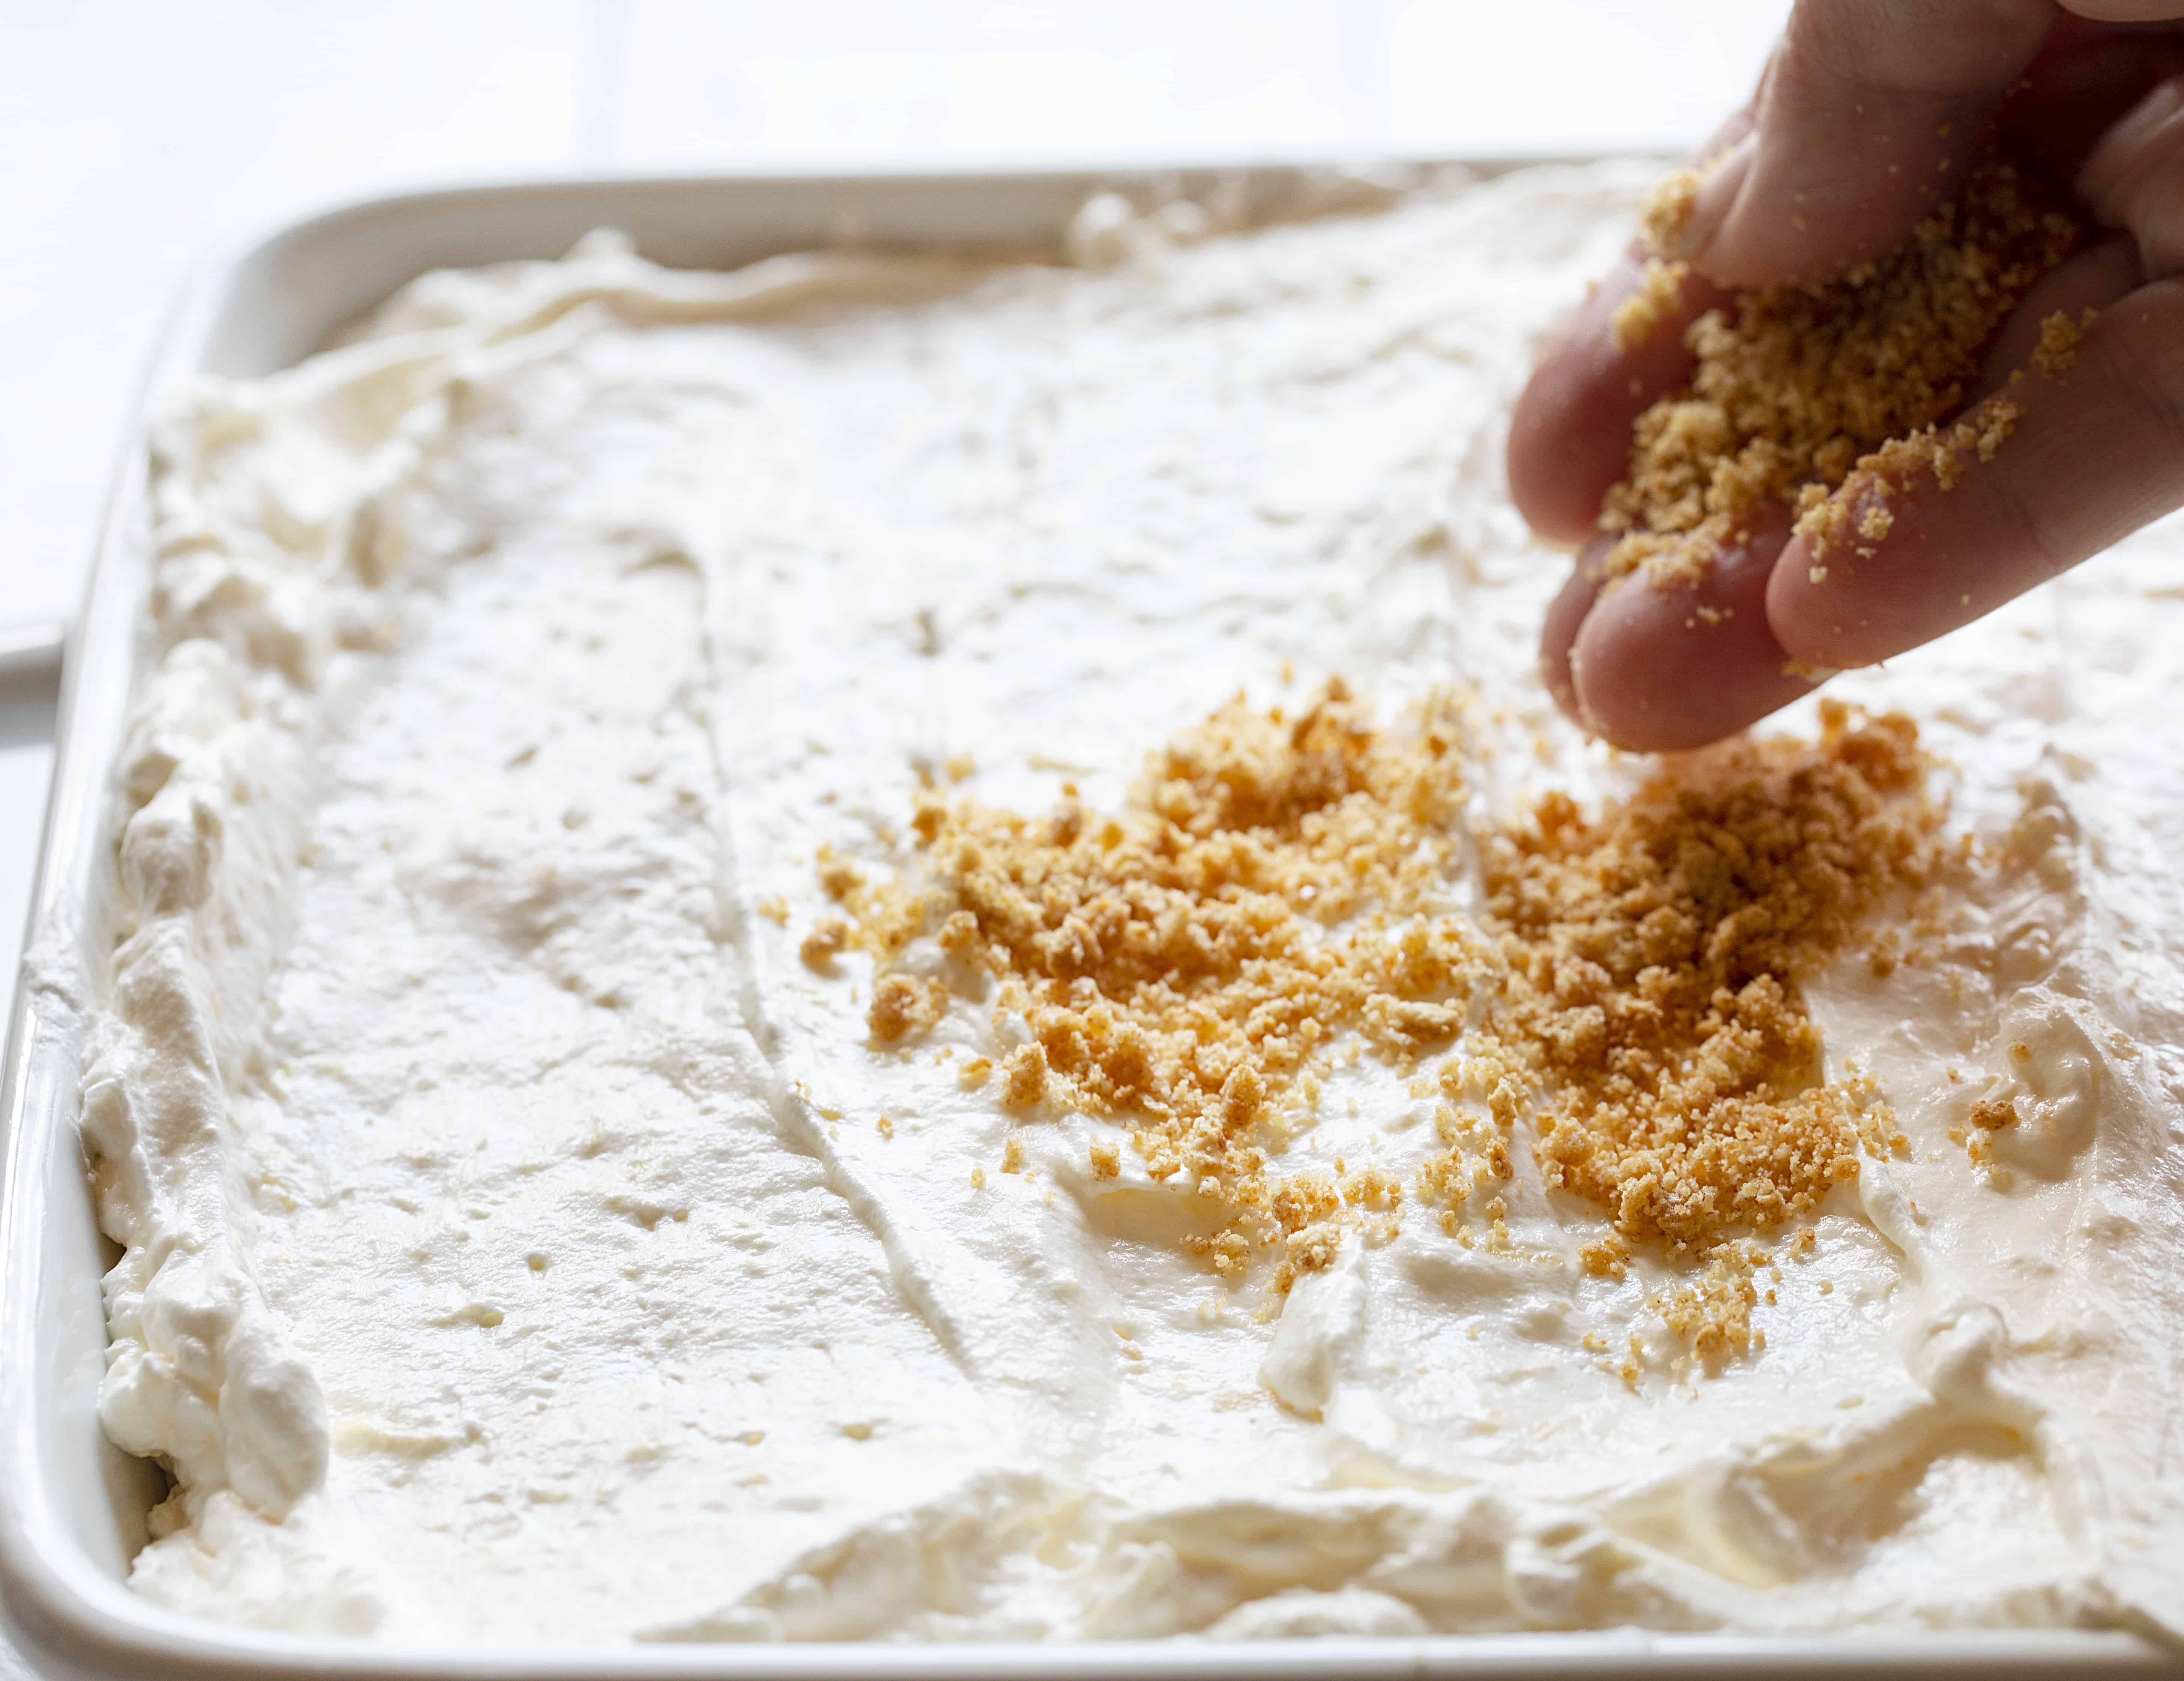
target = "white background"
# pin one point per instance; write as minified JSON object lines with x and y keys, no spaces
{"x":137,"y":139}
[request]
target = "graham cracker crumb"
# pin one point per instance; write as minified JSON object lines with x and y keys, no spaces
{"x":837,"y":876}
{"x":1275,"y":896}
{"x":1652,"y":960}
{"x":1660,"y":288}
{"x":903,"y":1004}
{"x":1714,"y":1314}
{"x":1182,"y":961}
{"x":973,"y":1072}
{"x":1023,"y":1078}
{"x":825,"y":940}
{"x":1667,"y":213}
{"x":1606,"y":1258}
{"x":1796,"y":386}
{"x":2059,"y":338}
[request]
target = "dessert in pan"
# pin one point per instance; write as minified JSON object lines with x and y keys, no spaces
{"x":897,"y":948}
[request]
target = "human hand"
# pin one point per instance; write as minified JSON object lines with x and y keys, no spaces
{"x":1869,"y":115}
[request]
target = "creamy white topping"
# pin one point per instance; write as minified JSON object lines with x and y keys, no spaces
{"x":522,"y":1244}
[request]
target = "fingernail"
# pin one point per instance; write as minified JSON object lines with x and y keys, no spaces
{"x":1716,"y":184}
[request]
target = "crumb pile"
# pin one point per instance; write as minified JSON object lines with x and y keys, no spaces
{"x":1283,"y":886}
{"x":1797,"y":387}
{"x":1280,"y":883}
{"x":1652,"y":959}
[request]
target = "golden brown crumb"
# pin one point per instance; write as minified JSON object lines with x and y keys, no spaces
{"x":1023,"y":1078}
{"x":973,"y":1074}
{"x":1606,"y":1258}
{"x":1183,"y":962}
{"x":1796,"y":386}
{"x":2059,"y":338}
{"x":1106,"y":1159}
{"x":1667,"y":213}
{"x":884,"y":1128}
{"x":1279,"y":885}
{"x":1652,"y":964}
{"x":826,"y":939}
{"x":837,"y":876}
{"x":903,"y":1004}
{"x":775,"y":909}
{"x":1660,"y":287}
{"x":1713,"y":1313}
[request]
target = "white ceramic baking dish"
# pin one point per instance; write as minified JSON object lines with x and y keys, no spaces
{"x":72,"y":1507}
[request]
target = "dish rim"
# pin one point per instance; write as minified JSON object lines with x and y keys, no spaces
{"x":75,"y":1617}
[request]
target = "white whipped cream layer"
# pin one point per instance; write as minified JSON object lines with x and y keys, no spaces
{"x":514,"y":1250}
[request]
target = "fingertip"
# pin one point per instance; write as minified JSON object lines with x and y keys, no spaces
{"x":1558,"y":635}
{"x":1664,"y":669}
{"x":1798,"y":612}
{"x":1558,"y":497}
{"x":1833,"y":610}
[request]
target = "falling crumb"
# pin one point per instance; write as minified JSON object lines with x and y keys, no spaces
{"x":1797,"y":386}
{"x":884,"y":1128}
{"x":978,"y":1178}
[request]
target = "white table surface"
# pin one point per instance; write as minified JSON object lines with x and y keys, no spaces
{"x":139,"y":135}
